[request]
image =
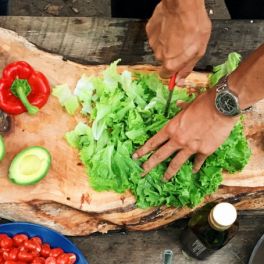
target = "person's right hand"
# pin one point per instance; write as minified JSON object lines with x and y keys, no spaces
{"x":178,"y":33}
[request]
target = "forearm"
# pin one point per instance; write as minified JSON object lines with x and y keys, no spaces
{"x":248,"y":80}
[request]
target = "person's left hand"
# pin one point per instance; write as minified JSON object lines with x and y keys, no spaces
{"x":199,"y":129}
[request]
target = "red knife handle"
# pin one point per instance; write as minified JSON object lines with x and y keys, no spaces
{"x":172,"y":82}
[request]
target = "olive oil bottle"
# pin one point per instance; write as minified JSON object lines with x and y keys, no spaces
{"x":209,"y":229}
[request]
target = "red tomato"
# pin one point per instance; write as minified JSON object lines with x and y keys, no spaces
{"x":19,"y":239}
{"x":13,"y":254}
{"x":6,"y":242}
{"x":25,"y":256}
{"x":45,"y":250}
{"x":6,"y":254}
{"x":22,"y":248}
{"x":32,"y":245}
{"x":50,"y":260}
{"x":3,"y":236}
{"x":10,"y":262}
{"x":1,"y":258}
{"x":55,"y":252}
{"x":37,"y":240}
{"x":63,"y":259}
{"x":35,"y":253}
{"x":72,"y":258}
{"x":38,"y":260}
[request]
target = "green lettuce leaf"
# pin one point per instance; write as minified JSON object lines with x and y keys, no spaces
{"x":126,"y":109}
{"x":66,"y":98}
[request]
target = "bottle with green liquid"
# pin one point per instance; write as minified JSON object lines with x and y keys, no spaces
{"x":209,"y":229}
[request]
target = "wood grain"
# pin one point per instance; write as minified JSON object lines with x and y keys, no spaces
{"x":102,"y":40}
{"x":65,"y":192}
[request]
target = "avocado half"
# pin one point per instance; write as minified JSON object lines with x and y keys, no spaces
{"x":30,"y":165}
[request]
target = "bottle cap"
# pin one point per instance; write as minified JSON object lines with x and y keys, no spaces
{"x":223,"y":215}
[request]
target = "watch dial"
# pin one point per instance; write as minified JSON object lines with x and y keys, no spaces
{"x":226,"y":104}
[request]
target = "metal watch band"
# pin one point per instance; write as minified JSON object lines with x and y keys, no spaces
{"x":223,"y":86}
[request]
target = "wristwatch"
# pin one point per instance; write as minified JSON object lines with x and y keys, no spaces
{"x":226,"y":101}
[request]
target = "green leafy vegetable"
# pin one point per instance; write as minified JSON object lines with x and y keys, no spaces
{"x":124,"y":111}
{"x":227,"y":67}
{"x":66,"y":98}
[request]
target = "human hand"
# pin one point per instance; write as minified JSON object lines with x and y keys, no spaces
{"x":197,"y":130}
{"x":178,"y":33}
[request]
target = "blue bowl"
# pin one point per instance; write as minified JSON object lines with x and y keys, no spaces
{"x":47,"y":235}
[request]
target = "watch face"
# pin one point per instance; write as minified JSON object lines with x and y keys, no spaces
{"x":226,"y":103}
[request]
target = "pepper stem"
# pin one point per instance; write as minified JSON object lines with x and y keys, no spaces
{"x":21,"y":89}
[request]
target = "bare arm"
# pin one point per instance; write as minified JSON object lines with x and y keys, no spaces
{"x":187,"y":133}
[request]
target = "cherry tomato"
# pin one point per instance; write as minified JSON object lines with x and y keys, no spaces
{"x":25,"y":256}
{"x":35,"y":253}
{"x":72,"y":258}
{"x":38,"y":260}
{"x":32,"y":245}
{"x":22,"y":248}
{"x":55,"y":252}
{"x":6,"y":254}
{"x":37,"y":240}
{"x":3,"y":236}
{"x":13,"y":254}
{"x":50,"y":260}
{"x":10,"y":262}
{"x":45,"y":250}
{"x":63,"y":259}
{"x":1,"y":258}
{"x":6,"y":242}
{"x":19,"y":239}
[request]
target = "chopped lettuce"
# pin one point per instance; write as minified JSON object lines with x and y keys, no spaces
{"x":123,"y":111}
{"x":66,"y":98}
{"x":227,"y":67}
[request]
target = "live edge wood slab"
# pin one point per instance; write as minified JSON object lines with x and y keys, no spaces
{"x":64,"y":200}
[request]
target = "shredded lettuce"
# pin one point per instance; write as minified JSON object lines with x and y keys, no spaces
{"x":123,"y":111}
{"x":226,"y":68}
{"x":66,"y":98}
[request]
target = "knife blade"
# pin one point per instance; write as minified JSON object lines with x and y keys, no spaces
{"x":171,"y":89}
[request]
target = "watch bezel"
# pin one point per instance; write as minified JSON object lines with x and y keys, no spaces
{"x":236,"y":110}
{"x":222,"y":88}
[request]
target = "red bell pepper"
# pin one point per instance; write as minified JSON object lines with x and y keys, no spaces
{"x":22,"y":89}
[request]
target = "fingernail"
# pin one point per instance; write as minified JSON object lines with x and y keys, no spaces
{"x":144,"y":173}
{"x":135,"y":156}
{"x":164,"y":179}
{"x":194,"y":170}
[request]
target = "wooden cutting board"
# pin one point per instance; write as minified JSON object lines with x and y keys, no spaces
{"x":64,"y":200}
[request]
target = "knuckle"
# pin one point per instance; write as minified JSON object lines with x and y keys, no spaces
{"x":179,"y":139}
{"x":156,"y":156}
{"x":151,"y":42}
{"x":169,"y":66}
{"x":158,"y":54}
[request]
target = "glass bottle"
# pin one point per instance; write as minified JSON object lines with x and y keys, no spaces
{"x":209,"y":229}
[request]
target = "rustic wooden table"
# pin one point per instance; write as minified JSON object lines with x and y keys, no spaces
{"x":100,"y":41}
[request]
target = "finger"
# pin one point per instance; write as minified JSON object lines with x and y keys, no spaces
{"x":152,"y":144}
{"x":160,"y":155}
{"x":185,"y":72}
{"x":174,"y":65}
{"x":198,"y":162}
{"x":176,"y":163}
